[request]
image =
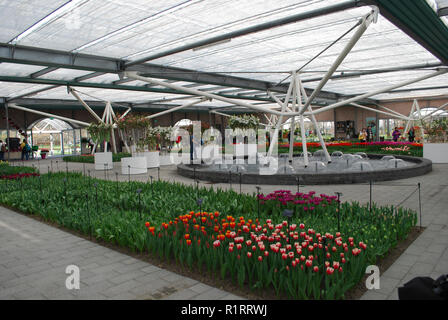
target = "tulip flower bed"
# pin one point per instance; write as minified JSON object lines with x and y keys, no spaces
{"x":300,"y":203}
{"x":306,"y":257}
{"x":382,"y":147}
{"x":14,"y":172}
{"x":19,"y":176}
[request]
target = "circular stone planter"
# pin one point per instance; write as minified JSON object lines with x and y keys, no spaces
{"x":420,"y":167}
{"x":103,"y":160}
{"x":152,"y":158}
{"x":133,"y":165}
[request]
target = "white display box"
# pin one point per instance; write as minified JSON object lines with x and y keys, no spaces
{"x":133,"y":165}
{"x":436,"y":152}
{"x":152,"y":158}
{"x":103,"y":160}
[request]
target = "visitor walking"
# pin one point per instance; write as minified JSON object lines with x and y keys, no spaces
{"x":25,"y":148}
{"x":411,"y":134}
{"x":2,"y":150}
{"x":396,"y":134}
{"x":369,"y":134}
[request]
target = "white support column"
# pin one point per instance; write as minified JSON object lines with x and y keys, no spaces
{"x":293,"y":119}
{"x":304,"y":146}
{"x":12,"y":105}
{"x":410,"y":119}
{"x":422,"y":131}
{"x":382,"y":90}
{"x":134,"y":75}
{"x":85,"y":105}
{"x":186,"y":105}
{"x":302,"y":129}
{"x":394,"y":115}
{"x":274,"y":139}
{"x":315,"y":124}
{"x":348,"y":47}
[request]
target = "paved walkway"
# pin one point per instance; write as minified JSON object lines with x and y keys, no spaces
{"x":34,"y":257}
{"x":427,"y":256}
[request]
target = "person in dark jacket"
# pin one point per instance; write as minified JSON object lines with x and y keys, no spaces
{"x":396,"y":134}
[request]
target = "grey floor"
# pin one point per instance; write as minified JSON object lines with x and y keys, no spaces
{"x":33,"y":256}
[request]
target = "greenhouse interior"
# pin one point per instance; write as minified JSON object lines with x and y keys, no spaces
{"x":224,"y":151}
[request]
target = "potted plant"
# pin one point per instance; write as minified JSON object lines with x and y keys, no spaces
{"x":134,"y":130}
{"x":43,"y":153}
{"x":100,"y":132}
{"x":246,"y":126}
{"x":163,"y":135}
{"x":435,"y":146}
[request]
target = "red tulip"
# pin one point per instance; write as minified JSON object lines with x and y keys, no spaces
{"x":316,"y":269}
{"x":302,"y":226}
{"x":249,"y":254}
{"x":309,"y":263}
{"x":330,"y":271}
{"x":260,"y":258}
{"x":147,"y":224}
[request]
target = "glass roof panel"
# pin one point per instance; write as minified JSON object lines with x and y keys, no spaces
{"x":91,"y":20}
{"x":18,"y":15}
{"x":13,"y":89}
{"x":65,"y":74}
{"x":18,"y":70}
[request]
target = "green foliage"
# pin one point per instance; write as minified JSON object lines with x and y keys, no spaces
{"x":6,"y":169}
{"x":99,"y":132}
{"x":116,"y":157}
{"x":244,"y":122}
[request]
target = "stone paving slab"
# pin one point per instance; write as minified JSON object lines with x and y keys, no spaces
{"x":427,"y":256}
{"x":34,"y":256}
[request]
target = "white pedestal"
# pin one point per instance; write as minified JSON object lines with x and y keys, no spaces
{"x":165,"y":160}
{"x":436,"y":152}
{"x":133,"y":165}
{"x":152,"y":158}
{"x":210,"y":153}
{"x":103,"y":160}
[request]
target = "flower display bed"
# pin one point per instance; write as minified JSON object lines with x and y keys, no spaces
{"x":15,"y":172}
{"x":229,"y":238}
{"x":386,"y":147}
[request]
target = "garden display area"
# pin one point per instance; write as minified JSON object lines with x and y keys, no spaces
{"x":284,"y":244}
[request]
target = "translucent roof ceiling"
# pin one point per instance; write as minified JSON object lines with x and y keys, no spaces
{"x":134,"y":29}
